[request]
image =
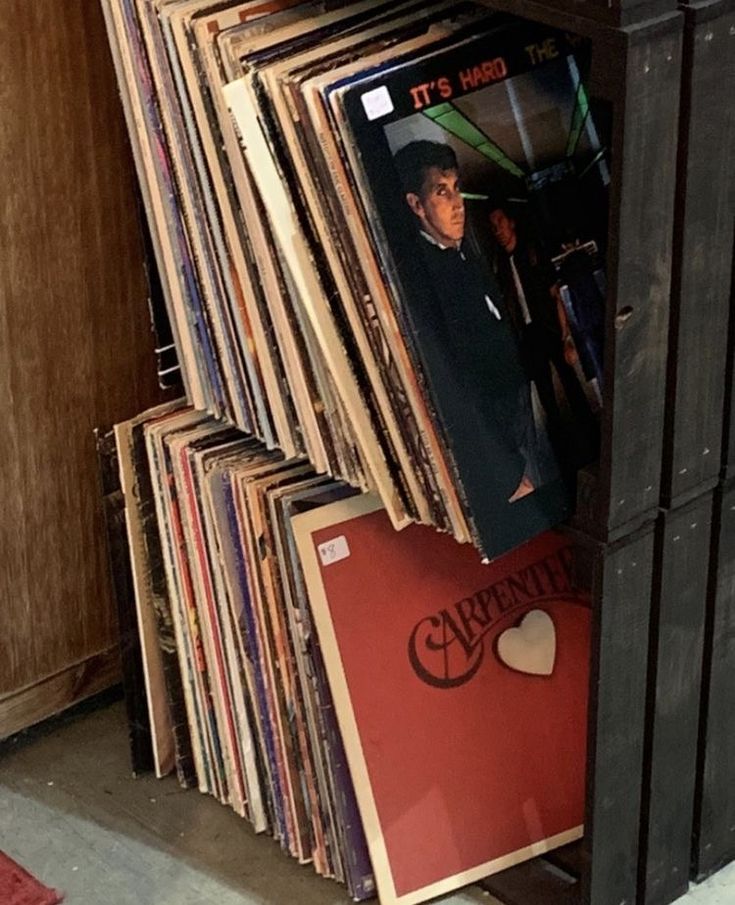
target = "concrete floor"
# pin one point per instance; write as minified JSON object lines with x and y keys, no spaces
{"x":72,"y":814}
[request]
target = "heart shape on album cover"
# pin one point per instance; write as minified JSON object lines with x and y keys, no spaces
{"x":529,"y":647}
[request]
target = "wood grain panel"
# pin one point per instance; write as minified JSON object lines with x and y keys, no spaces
{"x":622,"y":594}
{"x":52,"y":694}
{"x":672,"y":717}
{"x":75,"y":344}
{"x":639,"y":270}
{"x":714,"y":837}
{"x":703,"y":243}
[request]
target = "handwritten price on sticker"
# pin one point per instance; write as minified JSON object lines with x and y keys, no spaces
{"x":332,"y":551}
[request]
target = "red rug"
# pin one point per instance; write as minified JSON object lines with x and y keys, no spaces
{"x":18,"y":887}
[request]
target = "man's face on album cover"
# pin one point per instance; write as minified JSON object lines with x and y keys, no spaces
{"x":440,"y":206}
{"x":503,"y":229}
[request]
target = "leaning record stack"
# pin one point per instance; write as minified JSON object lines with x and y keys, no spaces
{"x":380,"y":229}
{"x":415,"y":727}
{"x":244,"y":711}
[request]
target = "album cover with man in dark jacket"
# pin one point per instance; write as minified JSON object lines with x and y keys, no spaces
{"x":484,"y":179}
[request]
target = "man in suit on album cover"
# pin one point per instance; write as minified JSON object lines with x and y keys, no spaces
{"x":461,"y":318}
{"x":531,"y":291}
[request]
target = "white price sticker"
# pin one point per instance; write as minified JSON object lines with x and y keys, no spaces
{"x":377,"y":103}
{"x":332,"y":551}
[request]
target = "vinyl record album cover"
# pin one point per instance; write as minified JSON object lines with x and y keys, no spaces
{"x":460,"y":689}
{"x":484,"y":181}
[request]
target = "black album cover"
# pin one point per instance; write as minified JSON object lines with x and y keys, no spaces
{"x":484,"y":180}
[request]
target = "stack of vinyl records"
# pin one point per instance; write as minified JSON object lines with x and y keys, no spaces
{"x":380,"y":228}
{"x":237,"y":695}
{"x":387,"y":706}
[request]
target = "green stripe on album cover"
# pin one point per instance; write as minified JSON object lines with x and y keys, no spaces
{"x":581,"y":109}
{"x":452,"y":120}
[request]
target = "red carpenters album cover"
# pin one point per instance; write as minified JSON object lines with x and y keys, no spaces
{"x":460,"y":689}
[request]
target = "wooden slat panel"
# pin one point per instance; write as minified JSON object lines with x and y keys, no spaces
{"x":617,"y":718}
{"x":75,"y":344}
{"x":728,"y":452}
{"x":677,"y":630}
{"x":715,"y":806}
{"x":639,"y":266}
{"x":702,"y":254}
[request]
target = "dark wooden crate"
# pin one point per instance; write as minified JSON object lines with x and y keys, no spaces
{"x":703,"y":241}
{"x":635,"y":76}
{"x":636,"y":72}
{"x":678,"y":608}
{"x":714,"y":820}
{"x":603,"y":868}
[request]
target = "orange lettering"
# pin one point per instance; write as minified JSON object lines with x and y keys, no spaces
{"x":445,"y":87}
{"x":465,"y":79}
